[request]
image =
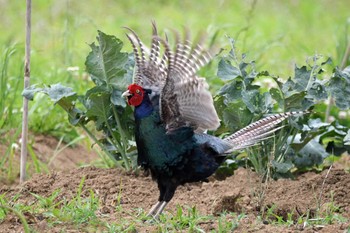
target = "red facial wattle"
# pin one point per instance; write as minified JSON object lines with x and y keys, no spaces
{"x":137,"y":94}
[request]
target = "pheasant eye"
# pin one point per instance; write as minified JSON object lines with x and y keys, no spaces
{"x":137,"y":91}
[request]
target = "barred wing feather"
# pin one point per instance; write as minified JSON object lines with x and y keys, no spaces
{"x":150,"y":73}
{"x":258,"y":131}
{"x":185,"y":98}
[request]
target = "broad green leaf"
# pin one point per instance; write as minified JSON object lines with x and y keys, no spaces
{"x":242,"y":67}
{"x":267,"y":105}
{"x":99,"y":106}
{"x":248,"y":72}
{"x":312,"y":154}
{"x":297,"y":146}
{"x":127,"y":120}
{"x":67,"y":103}
{"x":303,"y":78}
{"x":236,"y":116}
{"x":312,"y":129}
{"x":97,"y":90}
{"x":255,"y":102}
{"x":317,"y":124}
{"x":277,"y":96}
{"x":288,"y":88}
{"x":56,"y":92}
{"x":99,"y":110}
{"x":220,"y":105}
{"x":117,"y":99}
{"x":61,"y":95}
{"x":295,"y":101}
{"x":226,"y":71}
{"x":105,"y":63}
{"x":252,"y":99}
{"x":232,"y":91}
{"x":74,"y":116}
{"x":317,"y":91}
{"x":306,"y":81}
{"x":282,"y":167}
{"x":29,"y":92}
{"x":279,"y":82}
{"x":339,"y":87}
{"x":335,"y":139}
{"x":128,"y":77}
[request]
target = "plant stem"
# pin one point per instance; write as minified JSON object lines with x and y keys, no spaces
{"x":120,"y":129}
{"x":346,"y":56}
{"x":119,"y":146}
{"x":97,"y":141}
{"x":91,"y":135}
{"x":123,"y":137}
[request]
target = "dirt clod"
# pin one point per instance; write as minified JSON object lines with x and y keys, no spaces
{"x":228,"y":203}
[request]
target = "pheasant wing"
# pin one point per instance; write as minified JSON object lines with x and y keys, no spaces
{"x":150,"y":70}
{"x":185,"y":98}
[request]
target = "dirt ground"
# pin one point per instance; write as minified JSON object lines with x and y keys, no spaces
{"x":50,"y":152}
{"x":238,"y":193}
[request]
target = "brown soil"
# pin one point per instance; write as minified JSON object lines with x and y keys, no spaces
{"x":50,"y":152}
{"x":238,"y":193}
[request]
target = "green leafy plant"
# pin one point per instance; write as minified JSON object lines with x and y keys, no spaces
{"x":248,"y":95}
{"x":110,"y":70}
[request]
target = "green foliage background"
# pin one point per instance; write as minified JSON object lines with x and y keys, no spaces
{"x":278,"y":32}
{"x":277,"y":35}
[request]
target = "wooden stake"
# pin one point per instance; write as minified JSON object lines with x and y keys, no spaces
{"x":24,"y":137}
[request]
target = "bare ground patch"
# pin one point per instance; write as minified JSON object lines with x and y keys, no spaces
{"x":237,"y":193}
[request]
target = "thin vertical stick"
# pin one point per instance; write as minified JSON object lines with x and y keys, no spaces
{"x":322,"y":188}
{"x":26,"y":84}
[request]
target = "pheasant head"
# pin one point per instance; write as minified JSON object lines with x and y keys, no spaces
{"x":134,"y":94}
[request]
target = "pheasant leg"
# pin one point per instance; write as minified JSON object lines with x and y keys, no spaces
{"x":154,"y":209}
{"x":160,"y":209}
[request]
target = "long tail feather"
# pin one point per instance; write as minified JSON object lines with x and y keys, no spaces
{"x":258,"y":131}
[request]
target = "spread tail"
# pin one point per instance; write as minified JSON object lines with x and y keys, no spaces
{"x":258,"y":131}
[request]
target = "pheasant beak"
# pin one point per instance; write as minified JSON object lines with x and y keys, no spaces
{"x":126,"y":93}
